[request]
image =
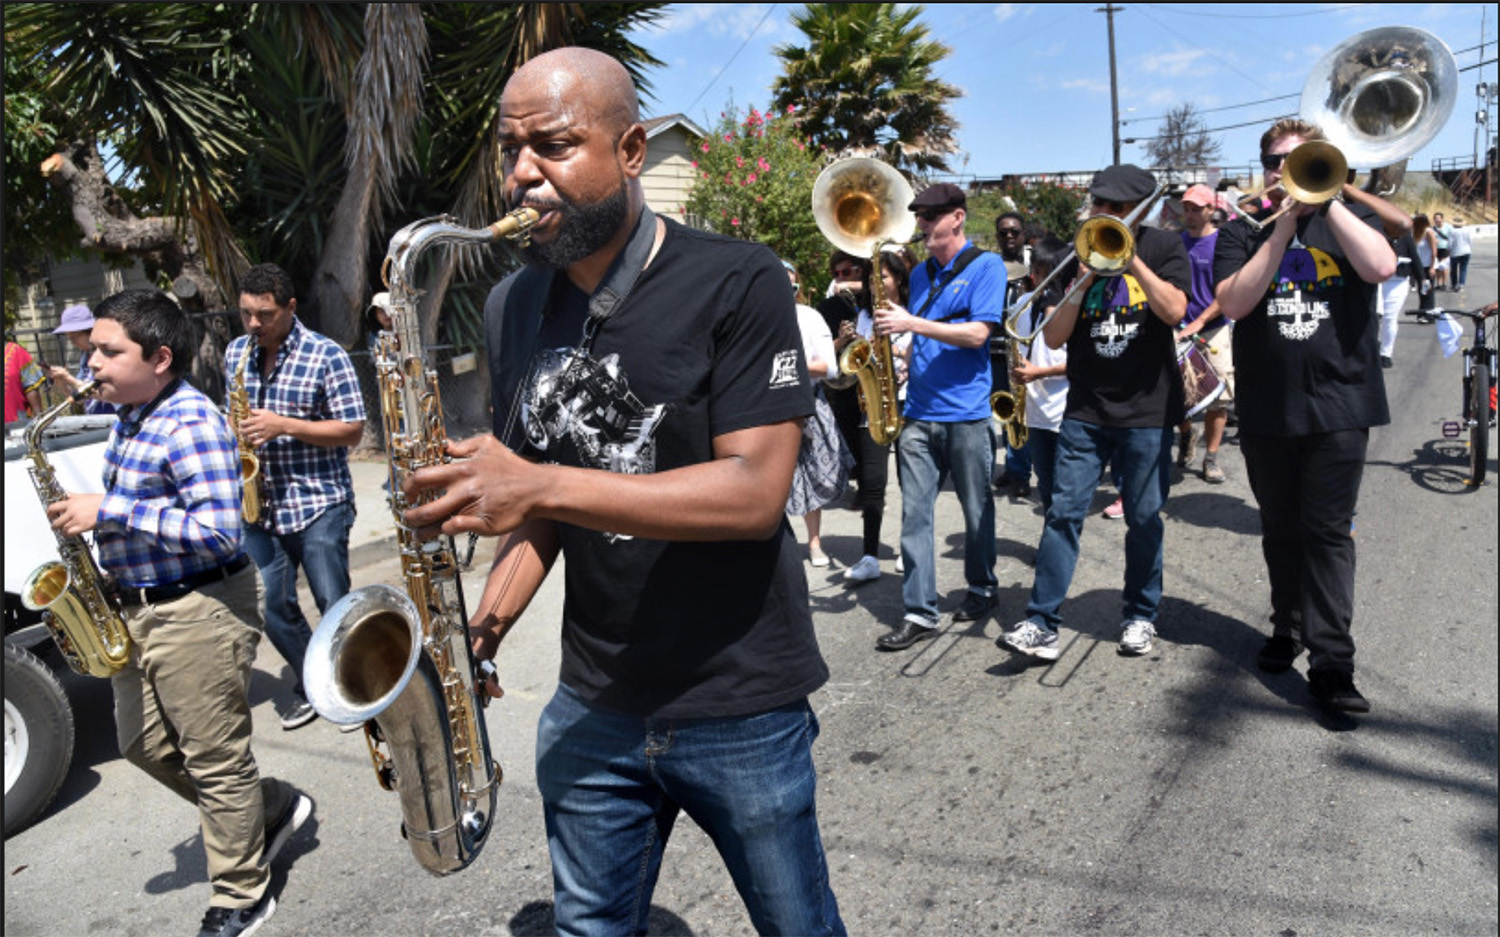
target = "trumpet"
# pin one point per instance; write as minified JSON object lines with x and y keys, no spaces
{"x":1104,"y":244}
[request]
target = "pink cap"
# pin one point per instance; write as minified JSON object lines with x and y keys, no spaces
{"x":1200,"y":194}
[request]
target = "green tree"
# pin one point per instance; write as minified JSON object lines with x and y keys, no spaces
{"x":754,"y":181}
{"x":863,"y":84}
{"x":289,"y":132}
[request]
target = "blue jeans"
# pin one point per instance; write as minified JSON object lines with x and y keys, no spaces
{"x":321,"y":549}
{"x":613,"y":784}
{"x":928,"y":453}
{"x":1144,"y":459}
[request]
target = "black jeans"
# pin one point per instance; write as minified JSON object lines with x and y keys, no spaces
{"x":1307,"y":488}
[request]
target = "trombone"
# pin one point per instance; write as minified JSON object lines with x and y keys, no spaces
{"x":1312,"y":173}
{"x":1104,"y":244}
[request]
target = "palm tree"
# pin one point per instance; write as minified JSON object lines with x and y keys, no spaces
{"x":863,"y":84}
{"x":288,"y":132}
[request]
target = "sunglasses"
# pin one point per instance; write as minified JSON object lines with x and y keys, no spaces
{"x":1114,"y":208}
{"x":932,"y":214}
{"x":1271,"y":162}
{"x":1010,"y":232}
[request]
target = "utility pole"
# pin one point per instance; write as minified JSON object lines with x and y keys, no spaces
{"x":1109,"y":10}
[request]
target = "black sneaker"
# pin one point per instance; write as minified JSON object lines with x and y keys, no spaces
{"x":279,"y":831}
{"x":1335,"y":690}
{"x":296,"y":713}
{"x":1277,"y":654}
{"x":237,"y":922}
{"x":975,"y":607}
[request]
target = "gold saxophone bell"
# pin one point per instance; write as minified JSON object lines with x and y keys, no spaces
{"x":860,"y":206}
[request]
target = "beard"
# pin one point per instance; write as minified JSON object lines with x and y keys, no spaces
{"x":582,"y":230}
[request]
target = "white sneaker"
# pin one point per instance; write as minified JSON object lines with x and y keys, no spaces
{"x":866,"y":569}
{"x":900,"y":566}
{"x":1135,"y":638}
{"x":1030,"y":638}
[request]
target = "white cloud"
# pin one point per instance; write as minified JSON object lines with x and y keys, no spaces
{"x":1171,"y":63}
{"x":717,"y":19}
{"x":1004,"y":11}
{"x":1093,"y":85}
{"x":1050,"y":51}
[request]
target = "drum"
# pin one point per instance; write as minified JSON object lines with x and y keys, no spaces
{"x":1201,"y":382}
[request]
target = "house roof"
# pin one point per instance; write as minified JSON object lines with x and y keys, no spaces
{"x":658,"y":125}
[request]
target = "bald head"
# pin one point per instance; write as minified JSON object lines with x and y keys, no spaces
{"x":585,"y":78}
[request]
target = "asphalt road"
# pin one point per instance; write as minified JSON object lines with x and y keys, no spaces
{"x":963,"y":791}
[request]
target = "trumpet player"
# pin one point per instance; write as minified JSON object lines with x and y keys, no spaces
{"x":959,"y":296}
{"x":1124,"y":399}
{"x":1302,"y":295}
{"x":306,"y":410}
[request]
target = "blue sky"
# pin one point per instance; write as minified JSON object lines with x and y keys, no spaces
{"x":1036,"y":76}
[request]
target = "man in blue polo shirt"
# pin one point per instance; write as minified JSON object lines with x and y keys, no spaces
{"x":958,"y":300}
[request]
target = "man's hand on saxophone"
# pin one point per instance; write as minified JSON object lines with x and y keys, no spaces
{"x":75,"y":514}
{"x":486,"y":490}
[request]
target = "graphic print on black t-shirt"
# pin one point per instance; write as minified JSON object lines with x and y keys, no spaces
{"x":1113,"y":308}
{"x":1303,"y":270}
{"x":573,"y":397}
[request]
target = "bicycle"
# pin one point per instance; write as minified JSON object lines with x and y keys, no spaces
{"x":1478,"y":392}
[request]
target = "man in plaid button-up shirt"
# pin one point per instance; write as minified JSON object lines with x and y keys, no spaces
{"x":305,"y":413}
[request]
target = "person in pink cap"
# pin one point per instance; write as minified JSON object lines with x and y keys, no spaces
{"x":77,"y":324}
{"x":1199,"y":235}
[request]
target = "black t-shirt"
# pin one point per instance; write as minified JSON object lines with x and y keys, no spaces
{"x":705,"y":344}
{"x":1307,"y":357}
{"x":1122,"y":358}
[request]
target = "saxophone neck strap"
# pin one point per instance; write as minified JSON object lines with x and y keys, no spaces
{"x":968,"y":255}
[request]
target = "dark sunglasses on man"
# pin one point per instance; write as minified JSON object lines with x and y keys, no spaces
{"x":932,"y":214}
{"x":1271,"y":162}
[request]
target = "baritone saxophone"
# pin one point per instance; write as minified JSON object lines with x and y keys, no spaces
{"x":399,"y":661}
{"x":76,"y":599}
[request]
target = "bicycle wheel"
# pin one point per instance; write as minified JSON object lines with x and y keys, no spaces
{"x":1479,"y":424}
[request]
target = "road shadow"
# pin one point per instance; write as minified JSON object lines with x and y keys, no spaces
{"x":1441,"y":466}
{"x":535,"y":920}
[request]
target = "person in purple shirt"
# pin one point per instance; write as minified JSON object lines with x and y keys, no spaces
{"x":1199,"y":236}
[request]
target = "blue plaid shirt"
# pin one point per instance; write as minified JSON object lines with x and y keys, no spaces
{"x":172,"y":491}
{"x":313,"y":379}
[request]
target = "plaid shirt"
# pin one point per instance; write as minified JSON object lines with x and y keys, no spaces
{"x":172,"y":491}
{"x":313,"y":379}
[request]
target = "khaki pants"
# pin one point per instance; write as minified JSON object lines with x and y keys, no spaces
{"x":182,"y":715}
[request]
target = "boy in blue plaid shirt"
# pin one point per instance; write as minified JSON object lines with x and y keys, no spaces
{"x":168,"y":531}
{"x":305,"y":413}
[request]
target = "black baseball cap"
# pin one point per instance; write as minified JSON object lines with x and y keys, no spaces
{"x":1123,"y":183}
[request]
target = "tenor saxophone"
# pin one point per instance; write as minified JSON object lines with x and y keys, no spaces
{"x":239,"y":410}
{"x":1009,"y":407}
{"x":873,"y":365}
{"x":400,"y":661}
{"x":73,"y":595}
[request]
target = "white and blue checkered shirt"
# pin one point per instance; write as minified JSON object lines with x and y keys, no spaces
{"x":313,"y":379}
{"x":172,"y":491}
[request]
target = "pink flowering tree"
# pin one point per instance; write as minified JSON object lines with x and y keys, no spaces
{"x":753,"y":180}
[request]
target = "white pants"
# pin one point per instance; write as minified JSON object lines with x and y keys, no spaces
{"x":1392,"y":299}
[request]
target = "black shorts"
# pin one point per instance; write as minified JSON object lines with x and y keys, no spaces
{"x":1442,"y":253}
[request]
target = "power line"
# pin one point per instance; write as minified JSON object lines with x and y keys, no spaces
{"x":1248,"y":123}
{"x":1176,"y":10}
{"x":770,"y":8}
{"x":1227,"y":107}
